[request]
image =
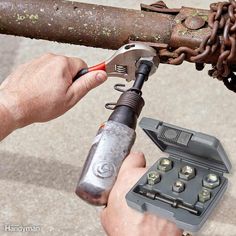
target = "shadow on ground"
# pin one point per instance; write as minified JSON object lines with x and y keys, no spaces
{"x":63,"y":177}
{"x":36,"y":171}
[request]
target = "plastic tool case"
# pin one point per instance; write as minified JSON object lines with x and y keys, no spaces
{"x":189,"y":206}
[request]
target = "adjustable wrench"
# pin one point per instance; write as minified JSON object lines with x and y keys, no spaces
{"x":123,"y":63}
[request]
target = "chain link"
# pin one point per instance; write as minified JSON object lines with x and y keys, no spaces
{"x":222,"y":21}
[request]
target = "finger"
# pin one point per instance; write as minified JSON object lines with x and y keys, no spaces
{"x":76,"y":64}
{"x":134,"y":160}
{"x":126,"y":180}
{"x":87,"y":82}
{"x":103,"y":220}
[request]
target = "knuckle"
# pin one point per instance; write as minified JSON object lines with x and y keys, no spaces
{"x":48,"y":55}
{"x":83,"y":63}
{"x":62,"y":61}
{"x":87,"y":85}
{"x":21,"y":67}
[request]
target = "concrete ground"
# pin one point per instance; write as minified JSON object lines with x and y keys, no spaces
{"x":40,"y":164}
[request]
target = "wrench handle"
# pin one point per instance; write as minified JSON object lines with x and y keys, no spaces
{"x":84,"y":71}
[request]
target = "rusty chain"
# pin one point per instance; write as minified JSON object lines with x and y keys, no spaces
{"x":222,"y":21}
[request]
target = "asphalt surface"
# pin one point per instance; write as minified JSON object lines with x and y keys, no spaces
{"x":40,"y":164}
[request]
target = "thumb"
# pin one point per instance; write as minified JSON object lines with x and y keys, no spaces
{"x":134,"y":160}
{"x":86,"y":83}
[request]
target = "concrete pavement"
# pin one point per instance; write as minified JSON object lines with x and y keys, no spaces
{"x":40,"y":164}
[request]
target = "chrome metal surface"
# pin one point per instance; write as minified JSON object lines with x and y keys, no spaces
{"x":125,"y":61}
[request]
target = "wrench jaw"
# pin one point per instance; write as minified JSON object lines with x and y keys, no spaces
{"x":125,"y":61}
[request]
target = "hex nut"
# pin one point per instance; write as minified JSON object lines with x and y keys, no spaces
{"x":178,"y":186}
{"x":187,"y":173}
{"x":211,"y":181}
{"x":154,"y":60}
{"x":204,"y":195}
{"x":153,"y":177}
{"x":165,"y":164}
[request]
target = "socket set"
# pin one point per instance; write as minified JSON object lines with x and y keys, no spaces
{"x":186,"y":186}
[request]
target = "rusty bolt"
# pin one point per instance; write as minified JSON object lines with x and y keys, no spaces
{"x":153,"y":177}
{"x":187,"y":173}
{"x":165,"y":164}
{"x":194,"y":22}
{"x":178,"y":186}
{"x":204,"y":195}
{"x":211,"y":181}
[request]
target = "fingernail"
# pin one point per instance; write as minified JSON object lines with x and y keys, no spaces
{"x":101,"y":77}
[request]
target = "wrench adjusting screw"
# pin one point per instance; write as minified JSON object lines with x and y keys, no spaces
{"x":121,"y":69}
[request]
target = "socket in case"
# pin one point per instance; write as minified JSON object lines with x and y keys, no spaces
{"x":188,"y":192}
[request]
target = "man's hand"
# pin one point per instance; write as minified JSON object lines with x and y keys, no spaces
{"x":118,"y":219}
{"x":42,"y":89}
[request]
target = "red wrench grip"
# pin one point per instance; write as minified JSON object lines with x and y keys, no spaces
{"x":84,"y":71}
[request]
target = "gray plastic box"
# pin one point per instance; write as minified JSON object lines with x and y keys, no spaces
{"x":185,"y":147}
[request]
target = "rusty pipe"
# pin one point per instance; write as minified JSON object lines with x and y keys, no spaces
{"x":107,"y":27}
{"x":81,"y":23}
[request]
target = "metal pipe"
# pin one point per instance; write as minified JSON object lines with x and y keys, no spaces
{"x":81,"y":23}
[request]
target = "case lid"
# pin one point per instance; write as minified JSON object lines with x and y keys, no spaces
{"x":198,"y":148}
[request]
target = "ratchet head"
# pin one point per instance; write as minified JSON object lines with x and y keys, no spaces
{"x":125,"y":61}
